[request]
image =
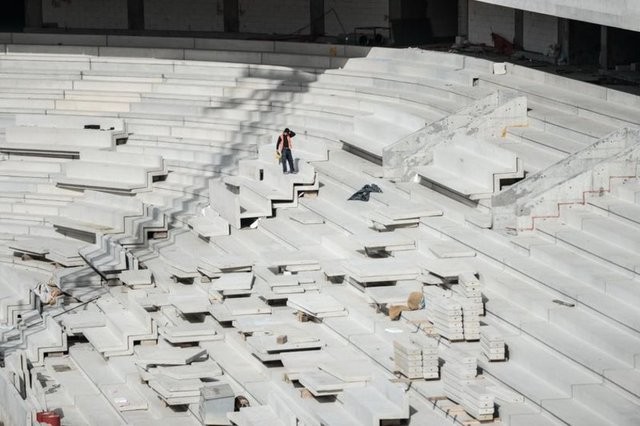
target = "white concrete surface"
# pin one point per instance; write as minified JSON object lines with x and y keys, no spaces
{"x":224,"y":266}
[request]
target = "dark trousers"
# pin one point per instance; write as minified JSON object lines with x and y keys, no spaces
{"x":287,"y":157}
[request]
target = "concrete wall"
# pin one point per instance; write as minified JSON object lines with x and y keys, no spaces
{"x":485,"y":19}
{"x":184,"y":15}
{"x":110,"y":14}
{"x":540,"y":31}
{"x":614,"y":13}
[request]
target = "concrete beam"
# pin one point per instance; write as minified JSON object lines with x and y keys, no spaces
{"x":604,"y":48}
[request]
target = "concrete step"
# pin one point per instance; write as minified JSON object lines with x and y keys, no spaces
{"x":615,"y":208}
{"x":572,"y":263}
{"x":591,"y":245}
{"x":545,"y":139}
{"x":534,"y":157}
{"x":608,"y":403}
{"x":569,"y":126}
{"x":537,"y":372}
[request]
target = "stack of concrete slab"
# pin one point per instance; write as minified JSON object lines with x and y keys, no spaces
{"x":470,"y":320}
{"x":446,"y":315}
{"x":392,"y":217}
{"x":476,"y":401}
{"x":416,"y":358}
{"x":472,"y":305}
{"x":385,"y":242}
{"x":233,"y":284}
{"x":176,"y":329}
{"x":492,"y":343}
{"x":62,"y":252}
{"x":460,"y":385}
{"x":271,"y":342}
{"x":215,"y":266}
{"x":278,"y":286}
{"x":317,"y":305}
{"x":136,"y":279}
{"x":234,"y":307}
{"x":366,"y":272}
{"x":176,"y":391}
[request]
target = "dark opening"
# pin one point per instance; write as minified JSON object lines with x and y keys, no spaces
{"x":623,"y":47}
{"x":12,"y":16}
{"x":584,"y":43}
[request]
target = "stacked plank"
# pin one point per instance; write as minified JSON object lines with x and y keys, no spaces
{"x":62,"y":252}
{"x":215,"y":267}
{"x":233,"y":284}
{"x":416,"y":359}
{"x":472,"y":305}
{"x":458,"y":375}
{"x":445,"y":313}
{"x":317,"y":305}
{"x":477,"y":402}
{"x":492,"y":344}
{"x":167,"y":372}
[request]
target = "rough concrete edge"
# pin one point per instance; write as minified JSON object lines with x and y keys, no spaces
{"x":526,"y":198}
{"x":483,"y":118}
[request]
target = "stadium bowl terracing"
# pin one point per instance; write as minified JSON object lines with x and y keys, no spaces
{"x":157,"y":265}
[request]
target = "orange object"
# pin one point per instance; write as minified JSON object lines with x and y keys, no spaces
{"x":49,"y":417}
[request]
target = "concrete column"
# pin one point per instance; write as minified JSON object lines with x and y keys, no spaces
{"x":463,"y":18}
{"x":518,"y":38}
{"x":33,"y":13}
{"x":563,"y":40}
{"x":231,"y":16}
{"x":135,"y":14}
{"x":604,"y":48}
{"x":316,"y":8}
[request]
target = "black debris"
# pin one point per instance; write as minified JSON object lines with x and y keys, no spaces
{"x":363,"y":193}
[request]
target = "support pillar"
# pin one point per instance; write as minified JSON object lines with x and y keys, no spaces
{"x":33,"y":13}
{"x":231,"y":16}
{"x":604,"y":48}
{"x":518,"y":38}
{"x":563,"y":41}
{"x":316,"y":9}
{"x":135,"y":14}
{"x":463,"y":18}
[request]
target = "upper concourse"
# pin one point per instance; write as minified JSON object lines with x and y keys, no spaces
{"x":582,"y":33}
{"x":612,"y":13}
